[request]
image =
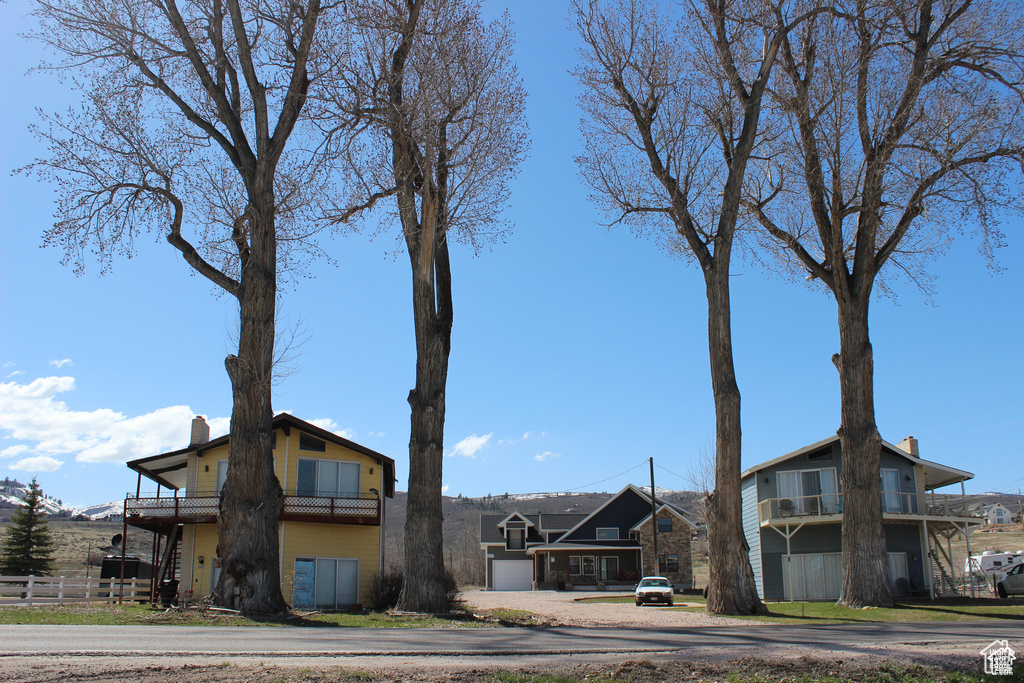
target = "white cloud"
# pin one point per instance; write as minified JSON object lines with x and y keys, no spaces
{"x":471,"y":445}
{"x":541,"y":457}
{"x":13,"y":451}
{"x":61,"y":363}
{"x":332,"y":426}
{"x":525,"y":437}
{"x":444,"y":490}
{"x":15,"y":374}
{"x":219,"y":426}
{"x":32,"y":412}
{"x":39,"y":463}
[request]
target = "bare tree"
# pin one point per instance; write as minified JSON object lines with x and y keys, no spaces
{"x":442,"y":107}
{"x":895,"y":123}
{"x":185,"y":126}
{"x":672,"y":106}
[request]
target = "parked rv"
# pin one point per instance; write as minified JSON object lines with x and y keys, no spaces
{"x":991,"y":562}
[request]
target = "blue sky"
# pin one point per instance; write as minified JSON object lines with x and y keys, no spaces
{"x":577,"y":352}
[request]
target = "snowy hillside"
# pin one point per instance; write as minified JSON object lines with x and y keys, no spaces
{"x":12,"y":493}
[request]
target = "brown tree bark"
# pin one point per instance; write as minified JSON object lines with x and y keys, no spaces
{"x":251,"y":498}
{"x":423,"y":588}
{"x":865,"y":568}
{"x":731,"y":587}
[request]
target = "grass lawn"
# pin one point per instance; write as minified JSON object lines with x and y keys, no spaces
{"x":963,"y":609}
{"x":140,"y":615}
{"x":956,"y":609}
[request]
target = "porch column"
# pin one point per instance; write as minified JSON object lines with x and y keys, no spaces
{"x":967,"y":529}
{"x":928,"y":560}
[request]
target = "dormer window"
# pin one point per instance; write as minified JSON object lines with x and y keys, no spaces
{"x":515,"y":539}
{"x":610,"y":533}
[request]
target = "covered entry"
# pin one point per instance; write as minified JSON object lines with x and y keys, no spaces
{"x":512,"y":575}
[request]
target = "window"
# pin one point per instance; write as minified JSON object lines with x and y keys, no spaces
{"x":607,"y":533}
{"x":892,"y":499}
{"x":588,"y":566}
{"x":222,"y":474}
{"x":328,"y":478}
{"x":311,"y":443}
{"x":672,"y":563}
{"x":809,"y":492}
{"x":326,"y":583}
{"x":665,"y":525}
{"x":515,"y":539}
{"x":574,"y":565}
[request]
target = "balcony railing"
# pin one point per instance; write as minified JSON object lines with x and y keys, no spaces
{"x":204,"y":506}
{"x":831,"y":505}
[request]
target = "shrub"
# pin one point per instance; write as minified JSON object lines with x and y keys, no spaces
{"x":387,"y":588}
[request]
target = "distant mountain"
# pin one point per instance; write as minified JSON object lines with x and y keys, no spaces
{"x":13,"y":492}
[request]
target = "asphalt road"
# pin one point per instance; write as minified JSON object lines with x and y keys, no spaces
{"x":174,"y":642}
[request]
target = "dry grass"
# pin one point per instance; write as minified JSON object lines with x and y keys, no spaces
{"x":77,"y":540}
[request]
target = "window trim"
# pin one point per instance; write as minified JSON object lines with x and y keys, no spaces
{"x":599,"y":537}
{"x":579,"y":565}
{"x":667,"y":521}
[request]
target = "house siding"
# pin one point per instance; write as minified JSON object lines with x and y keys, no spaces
{"x":675,"y":542}
{"x":297,"y":539}
{"x":626,"y":511}
{"x":751,"y":529}
{"x":310,"y":539}
{"x":818,"y":538}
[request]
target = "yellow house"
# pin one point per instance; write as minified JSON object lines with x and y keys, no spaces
{"x":331,"y":526}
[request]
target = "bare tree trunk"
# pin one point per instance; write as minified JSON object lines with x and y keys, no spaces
{"x":731,"y":587}
{"x":865,"y":566}
{"x":251,"y":497}
{"x":423,"y":588}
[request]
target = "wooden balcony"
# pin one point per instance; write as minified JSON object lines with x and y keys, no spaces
{"x":204,"y":508}
{"x":828,"y":508}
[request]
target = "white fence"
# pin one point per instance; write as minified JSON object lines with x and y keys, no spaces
{"x":63,"y":590}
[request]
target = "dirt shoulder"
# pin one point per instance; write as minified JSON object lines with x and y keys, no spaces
{"x":572,"y":608}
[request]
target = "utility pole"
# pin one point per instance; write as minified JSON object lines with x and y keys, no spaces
{"x":654,"y":522}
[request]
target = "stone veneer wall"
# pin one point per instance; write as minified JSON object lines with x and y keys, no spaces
{"x":677,"y":542}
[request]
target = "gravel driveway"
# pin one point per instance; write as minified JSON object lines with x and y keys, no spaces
{"x":572,"y":608}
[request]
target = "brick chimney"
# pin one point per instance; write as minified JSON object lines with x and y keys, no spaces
{"x":200,"y":431}
{"x":909,"y":445}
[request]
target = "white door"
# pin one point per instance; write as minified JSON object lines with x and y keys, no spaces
{"x":897,"y":571}
{"x":513,"y":575}
{"x":815,"y":576}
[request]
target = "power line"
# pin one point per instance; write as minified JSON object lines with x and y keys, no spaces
{"x":593,"y":483}
{"x":614,"y":476}
{"x":975,"y":431}
{"x":968,"y":419}
{"x":660,"y":467}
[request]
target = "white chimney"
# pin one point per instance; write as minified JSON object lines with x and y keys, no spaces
{"x":200,"y":431}
{"x":909,"y":445}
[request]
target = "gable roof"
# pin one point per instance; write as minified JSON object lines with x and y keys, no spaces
{"x":936,"y":475}
{"x":169,"y":469}
{"x":671,"y":508}
{"x":505,"y":521}
{"x":629,"y":488}
{"x":543,"y":523}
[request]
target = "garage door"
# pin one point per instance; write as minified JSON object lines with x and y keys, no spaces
{"x":513,"y":575}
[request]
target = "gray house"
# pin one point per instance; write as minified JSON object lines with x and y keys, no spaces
{"x":610,"y":548}
{"x":793,"y":513}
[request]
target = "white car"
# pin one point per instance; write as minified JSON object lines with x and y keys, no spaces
{"x":654,"y":589}
{"x":1012,"y":583}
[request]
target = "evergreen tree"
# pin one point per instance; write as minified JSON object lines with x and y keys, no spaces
{"x":27,"y":546}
